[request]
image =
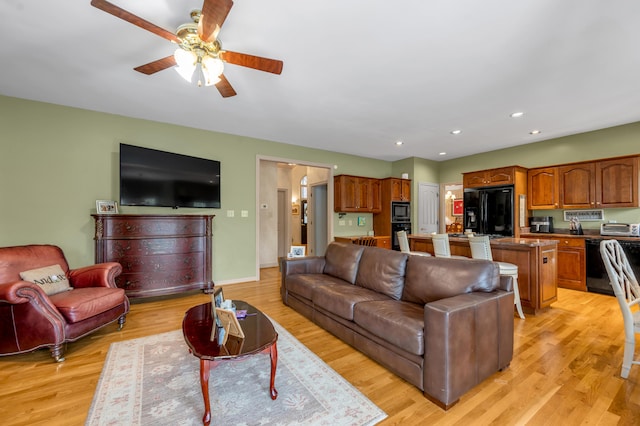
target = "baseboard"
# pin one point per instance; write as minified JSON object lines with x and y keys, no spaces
{"x":236,"y":280}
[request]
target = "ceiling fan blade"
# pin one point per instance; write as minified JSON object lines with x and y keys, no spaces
{"x":225,"y":88}
{"x":256,"y":62}
{"x":133,"y":19}
{"x":155,"y":66}
{"x":214,"y":13}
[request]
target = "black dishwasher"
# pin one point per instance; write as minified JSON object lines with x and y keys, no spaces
{"x":597,"y":278}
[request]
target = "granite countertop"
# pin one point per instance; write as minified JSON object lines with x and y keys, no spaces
{"x":588,"y":234}
{"x":529,"y":242}
{"x":506,"y":241}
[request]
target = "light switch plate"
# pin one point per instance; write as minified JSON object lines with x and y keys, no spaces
{"x":230,"y":213}
{"x":244,"y":213}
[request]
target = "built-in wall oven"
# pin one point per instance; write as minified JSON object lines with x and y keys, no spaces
{"x":395,"y":227}
{"x":597,"y":278}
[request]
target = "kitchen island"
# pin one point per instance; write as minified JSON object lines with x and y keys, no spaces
{"x":536,"y":260}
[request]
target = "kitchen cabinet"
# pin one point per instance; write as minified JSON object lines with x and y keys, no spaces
{"x":604,"y":183}
{"x":571,"y":264}
{"x":356,"y":194}
{"x":376,"y":195}
{"x":400,"y":189}
{"x":491,"y":177}
{"x":617,"y":182}
{"x":577,"y":185}
{"x":542,"y":188}
{"x":571,"y":259}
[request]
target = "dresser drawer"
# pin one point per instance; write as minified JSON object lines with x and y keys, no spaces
{"x":133,"y":227}
{"x":161,"y":282}
{"x":118,"y":249}
{"x":162,"y":263}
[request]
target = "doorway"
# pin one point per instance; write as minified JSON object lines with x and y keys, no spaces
{"x":277,"y":188}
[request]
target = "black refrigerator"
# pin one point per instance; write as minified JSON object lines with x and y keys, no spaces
{"x":489,"y":211}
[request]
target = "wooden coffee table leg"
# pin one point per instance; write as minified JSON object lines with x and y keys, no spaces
{"x":274,"y":363}
{"x":205,"y":369}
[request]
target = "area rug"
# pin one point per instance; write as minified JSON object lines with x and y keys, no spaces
{"x":155,"y":381}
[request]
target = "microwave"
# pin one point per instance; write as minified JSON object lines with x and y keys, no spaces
{"x":400,"y":212}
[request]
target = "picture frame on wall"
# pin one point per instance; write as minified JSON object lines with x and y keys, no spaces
{"x":458,"y":207}
{"x":106,"y":207}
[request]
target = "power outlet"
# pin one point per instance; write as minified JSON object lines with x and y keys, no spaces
{"x":231,"y":213}
{"x":244,"y":213}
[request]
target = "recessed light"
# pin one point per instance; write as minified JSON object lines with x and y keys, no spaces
{"x":456,"y":132}
{"x":534,"y":132}
{"x":399,"y":143}
{"x":517,"y":114}
{"x":442,"y":153}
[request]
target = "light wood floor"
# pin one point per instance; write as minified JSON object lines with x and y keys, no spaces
{"x":566,"y":367}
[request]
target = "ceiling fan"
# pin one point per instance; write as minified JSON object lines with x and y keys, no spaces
{"x":200,"y":55}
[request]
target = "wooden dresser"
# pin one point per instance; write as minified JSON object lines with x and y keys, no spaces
{"x":159,"y":254}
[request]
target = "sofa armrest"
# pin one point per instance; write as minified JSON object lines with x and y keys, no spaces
{"x":467,"y":338}
{"x":303,"y":265}
{"x":30,"y":320}
{"x":98,"y":275}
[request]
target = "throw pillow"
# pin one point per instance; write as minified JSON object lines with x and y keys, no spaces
{"x":50,"y":278}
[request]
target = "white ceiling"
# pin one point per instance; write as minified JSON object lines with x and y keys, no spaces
{"x":358,"y":74}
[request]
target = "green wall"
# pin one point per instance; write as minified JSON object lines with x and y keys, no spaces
{"x":57,"y":161}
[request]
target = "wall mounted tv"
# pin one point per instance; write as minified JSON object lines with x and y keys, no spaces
{"x":149,"y":177}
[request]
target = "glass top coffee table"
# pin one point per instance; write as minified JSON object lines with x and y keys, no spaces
{"x":259,"y":336}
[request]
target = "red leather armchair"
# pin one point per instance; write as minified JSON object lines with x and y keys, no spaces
{"x":30,"y":319}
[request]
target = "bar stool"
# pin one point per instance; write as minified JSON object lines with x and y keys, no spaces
{"x":481,"y":249}
{"x":441,"y":247}
{"x":403,"y":242}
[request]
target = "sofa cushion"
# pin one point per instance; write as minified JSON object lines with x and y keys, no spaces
{"x":83,"y":303}
{"x":51,"y":279}
{"x":399,"y":323}
{"x":303,"y":284}
{"x":342,"y":261}
{"x":382,"y":270}
{"x":339,"y":299}
{"x":432,"y":278}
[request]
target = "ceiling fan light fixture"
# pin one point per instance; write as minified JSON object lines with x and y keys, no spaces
{"x":212,"y":69}
{"x":185,"y":58}
{"x":186,"y":63}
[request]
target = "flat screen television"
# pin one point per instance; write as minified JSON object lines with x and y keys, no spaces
{"x":149,"y":177}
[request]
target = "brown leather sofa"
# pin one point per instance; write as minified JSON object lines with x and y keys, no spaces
{"x":444,"y":325}
{"x":30,"y":319}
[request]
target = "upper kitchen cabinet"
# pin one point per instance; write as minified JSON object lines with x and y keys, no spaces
{"x":598,"y":184}
{"x":356,"y":194}
{"x":492,"y":177}
{"x":577,"y":186}
{"x":542,"y":188}
{"x":617,"y":182}
{"x":400,"y":189}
